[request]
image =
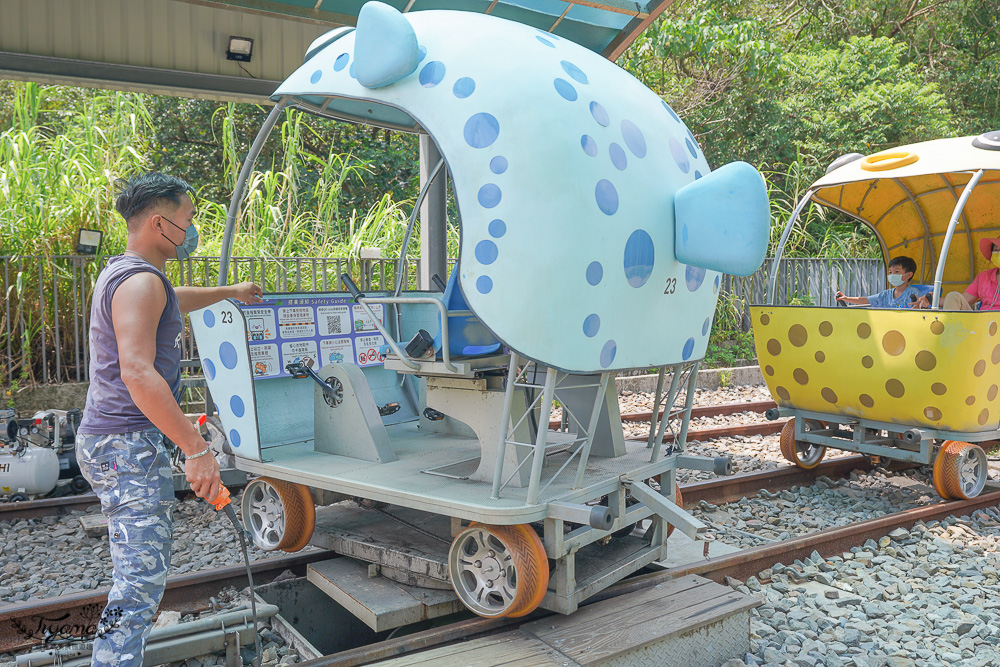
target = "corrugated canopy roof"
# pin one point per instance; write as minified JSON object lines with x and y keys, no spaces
{"x":607,"y":27}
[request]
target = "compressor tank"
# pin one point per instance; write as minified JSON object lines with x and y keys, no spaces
{"x":33,"y":472}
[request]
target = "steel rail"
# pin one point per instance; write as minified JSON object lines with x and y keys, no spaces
{"x":698,"y":411}
{"x":739,"y":565}
{"x":33,"y":509}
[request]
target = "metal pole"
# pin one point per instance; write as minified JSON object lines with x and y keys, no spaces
{"x":540,"y":439}
{"x":656,"y":406}
{"x":592,"y":426}
{"x":409,"y":227}
{"x":234,"y":203}
{"x":773,"y":280}
{"x":433,"y":218}
{"x":955,"y":215}
{"x":505,"y":424}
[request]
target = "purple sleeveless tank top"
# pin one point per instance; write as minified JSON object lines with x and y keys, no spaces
{"x":110,"y":409}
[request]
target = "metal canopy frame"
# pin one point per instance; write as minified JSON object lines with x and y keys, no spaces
{"x":960,"y":196}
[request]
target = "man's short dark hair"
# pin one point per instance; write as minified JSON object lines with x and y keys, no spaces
{"x":905,"y":263}
{"x":140,"y":193}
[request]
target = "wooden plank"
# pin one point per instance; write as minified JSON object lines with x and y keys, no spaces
{"x":615,"y":627}
{"x":511,"y":649}
{"x":598,"y":613}
{"x":95,"y":525}
{"x":380,"y":603}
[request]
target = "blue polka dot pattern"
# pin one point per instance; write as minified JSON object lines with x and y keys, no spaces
{"x":697,"y":174}
{"x":236,"y":404}
{"x":497,"y":228}
{"x":607,"y":196}
{"x":209,"y":318}
{"x":575,"y":72}
{"x":599,"y":114}
{"x":484,"y":284}
{"x":589,"y":145}
{"x":691,"y":136}
{"x":705,"y":326}
{"x":464,"y":87}
{"x":608,"y":353}
{"x":545,"y":42}
{"x":421,"y":53}
{"x":227,"y":355}
{"x":489,"y":195}
{"x":234,"y":438}
{"x":498,"y":165}
{"x":431,"y":74}
{"x":634,"y":139}
{"x":680,"y":157}
{"x":209,"y":367}
{"x":688,"y":349}
{"x":690,"y":146}
{"x":594,"y":273}
{"x":351,"y":72}
{"x":565,"y":89}
{"x":639,"y":257}
{"x":486,"y":252}
{"x":341,"y":62}
{"x":591,"y":325}
{"x":671,"y":112}
{"x":481,"y":130}
{"x":617,"y":154}
{"x":693,"y":277}
{"x":316,"y":76}
{"x":715,"y":287}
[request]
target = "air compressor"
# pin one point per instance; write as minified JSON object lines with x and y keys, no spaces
{"x":36,"y":453}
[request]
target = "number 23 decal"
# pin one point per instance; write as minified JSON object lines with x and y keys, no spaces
{"x":671,"y":286}
{"x":227,"y":317}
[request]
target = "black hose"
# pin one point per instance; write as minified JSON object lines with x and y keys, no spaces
{"x":241,"y":532}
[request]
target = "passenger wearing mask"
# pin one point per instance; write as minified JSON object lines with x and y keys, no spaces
{"x":984,"y":288}
{"x":899,"y":273}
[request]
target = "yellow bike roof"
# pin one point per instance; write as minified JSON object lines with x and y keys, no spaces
{"x":907,"y":196}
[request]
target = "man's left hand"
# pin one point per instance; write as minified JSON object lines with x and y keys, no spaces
{"x":248,"y":293}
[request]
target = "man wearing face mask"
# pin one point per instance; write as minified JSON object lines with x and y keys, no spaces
{"x":984,"y":288}
{"x":132,"y":404}
{"x":899,"y":273}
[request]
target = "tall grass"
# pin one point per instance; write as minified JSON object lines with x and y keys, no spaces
{"x":61,"y":153}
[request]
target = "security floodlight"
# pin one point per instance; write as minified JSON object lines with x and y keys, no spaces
{"x":88,"y":241}
{"x":240,"y":48}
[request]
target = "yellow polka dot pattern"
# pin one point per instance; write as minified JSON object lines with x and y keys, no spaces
{"x":915,"y":368}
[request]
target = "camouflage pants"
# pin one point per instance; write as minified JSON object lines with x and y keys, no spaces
{"x":131,"y":476}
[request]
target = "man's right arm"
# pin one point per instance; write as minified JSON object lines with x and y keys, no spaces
{"x":136,"y":308}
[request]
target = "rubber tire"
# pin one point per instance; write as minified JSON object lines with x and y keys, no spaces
{"x":679,"y":501}
{"x":786,"y":442}
{"x":938,"y":475}
{"x":79,"y":485}
{"x":526,"y":545}
{"x":300,"y":514}
{"x":947,"y":476}
{"x":530,"y":564}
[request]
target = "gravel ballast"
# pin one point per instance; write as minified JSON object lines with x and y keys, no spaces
{"x":926,"y":596}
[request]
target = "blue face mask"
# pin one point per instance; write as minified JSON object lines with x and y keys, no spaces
{"x":190,"y":242}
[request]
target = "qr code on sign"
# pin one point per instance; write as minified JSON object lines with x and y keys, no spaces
{"x":333,"y":324}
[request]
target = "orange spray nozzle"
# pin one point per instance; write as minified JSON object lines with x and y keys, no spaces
{"x":222,"y":499}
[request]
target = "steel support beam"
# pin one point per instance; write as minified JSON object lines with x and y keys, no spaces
{"x":433,"y":216}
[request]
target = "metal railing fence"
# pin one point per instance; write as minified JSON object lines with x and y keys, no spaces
{"x":45,"y":313}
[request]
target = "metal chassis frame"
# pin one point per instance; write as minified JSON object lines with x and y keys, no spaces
{"x":916,"y":446}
